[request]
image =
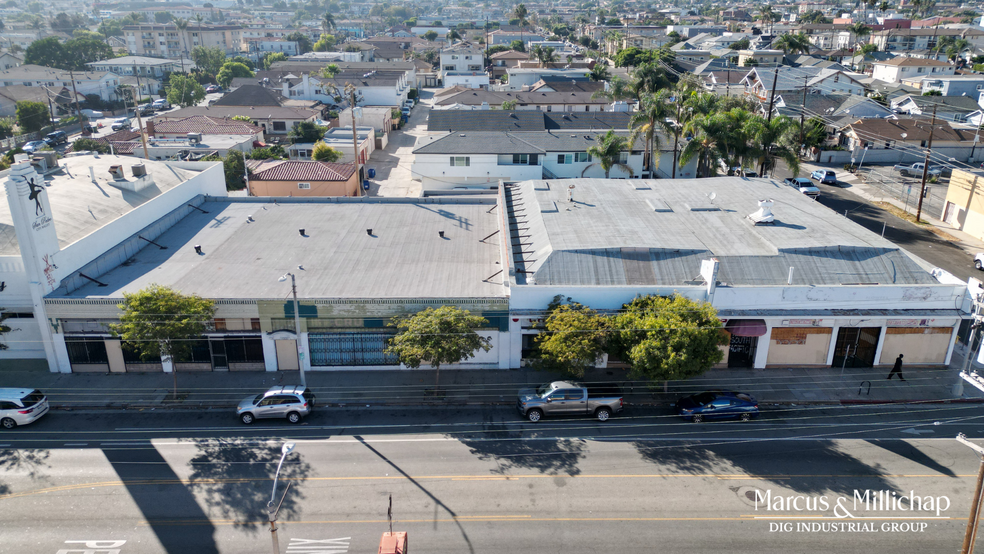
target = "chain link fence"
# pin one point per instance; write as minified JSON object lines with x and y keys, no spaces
{"x":906,"y":189}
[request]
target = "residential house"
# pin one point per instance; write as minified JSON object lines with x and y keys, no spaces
{"x":256,"y":48}
{"x":276,"y":121}
{"x":760,"y":57}
{"x":378,"y":83}
{"x":507,"y":37}
{"x":102,"y":83}
{"x":903,"y":140}
{"x":58,"y":99}
{"x":950,"y":108}
{"x":301,"y":178}
{"x":462,"y":63}
{"x":759,"y":82}
{"x":902,"y":67}
{"x":645,"y":42}
{"x":504,"y":60}
{"x":8,"y":60}
{"x":955,"y":85}
{"x":520,"y":77}
{"x":142,"y":66}
{"x":193,"y":148}
{"x":340,"y":138}
{"x":203,"y":125}
{"x":543,"y":101}
{"x":551,"y":83}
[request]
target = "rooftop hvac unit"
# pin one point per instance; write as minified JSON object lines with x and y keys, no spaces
{"x":117,"y":172}
{"x":139,"y":170}
{"x":195,"y":138}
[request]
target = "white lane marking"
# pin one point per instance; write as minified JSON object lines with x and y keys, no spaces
{"x":143,"y":443}
{"x":76,"y":444}
{"x":1,"y":445}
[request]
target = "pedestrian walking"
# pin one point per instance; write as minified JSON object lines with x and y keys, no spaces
{"x":897,"y":368}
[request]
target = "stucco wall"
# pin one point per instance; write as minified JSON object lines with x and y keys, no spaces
{"x":918,"y":345}
{"x":322,"y":188}
{"x":799,"y":346}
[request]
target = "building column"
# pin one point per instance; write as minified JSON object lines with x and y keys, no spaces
{"x":516,"y":345}
{"x":953,"y":343}
{"x":269,"y":352}
{"x":762,"y":348}
{"x":305,"y":362}
{"x":60,"y":350}
{"x":881,"y":343}
{"x":833,"y":345}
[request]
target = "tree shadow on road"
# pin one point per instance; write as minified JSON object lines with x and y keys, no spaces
{"x":510,"y":450}
{"x":821,"y":467}
{"x":235,"y":481}
{"x":29,"y":462}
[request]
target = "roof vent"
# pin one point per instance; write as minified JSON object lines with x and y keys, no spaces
{"x":764,"y":214}
{"x":461,"y":135}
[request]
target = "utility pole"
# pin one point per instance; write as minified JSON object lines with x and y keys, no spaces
{"x":929,"y":150}
{"x":975,"y":505}
{"x":75,"y":94}
{"x":803,"y":109}
{"x":772,"y":100}
{"x":143,"y":137}
{"x":350,"y":91}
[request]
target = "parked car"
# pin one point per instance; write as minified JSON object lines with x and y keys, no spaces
{"x":55,"y":138}
{"x":824,"y":176}
{"x":21,"y":406}
{"x":717,"y":405}
{"x":916,"y":169}
{"x":34,"y":146}
{"x":121,"y":123}
{"x":569,"y":398}
{"x":290,"y":402}
{"x":213,"y":88}
{"x":146,"y":109}
{"x":92,"y":114}
{"x":803,"y":185}
{"x":979,"y":260}
{"x":748,"y":173}
{"x":162,"y":104}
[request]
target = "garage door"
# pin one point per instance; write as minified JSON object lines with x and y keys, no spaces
{"x":350,"y":349}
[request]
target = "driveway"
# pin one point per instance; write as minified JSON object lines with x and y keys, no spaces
{"x":392,"y":164}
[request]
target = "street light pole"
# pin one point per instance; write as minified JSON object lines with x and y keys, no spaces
{"x":297,"y":326}
{"x":273,"y":510}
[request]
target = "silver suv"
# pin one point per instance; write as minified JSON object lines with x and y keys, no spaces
{"x":291,"y":402}
{"x":21,"y":406}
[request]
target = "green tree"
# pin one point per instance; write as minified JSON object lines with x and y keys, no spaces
{"x":160,"y":323}
{"x":307,"y":131}
{"x":47,"y":52}
{"x":163,"y":17}
{"x":90,"y":145}
{"x":521,"y":14}
{"x":517,"y":45}
{"x":742,"y":44}
{"x":430,"y":35}
{"x":600,"y":72}
{"x":4,"y":315}
{"x":83,"y":50}
{"x":230,"y":71}
{"x":209,"y":59}
{"x":667,"y":338}
{"x":235,"y":170}
{"x":32,"y":116}
{"x":182,"y":27}
{"x":442,"y":336}
{"x":325,"y":43}
{"x":618,"y":89}
{"x":302,"y":40}
{"x":324,"y":153}
{"x":793,"y":43}
{"x":327,"y":22}
{"x":184,"y":91}
{"x":573,"y":338}
{"x":243,"y":118}
{"x":245,"y":61}
{"x":649,"y":121}
{"x":111,"y":28}
{"x":508,"y":105}
{"x":608,"y":151}
{"x":272,"y":58}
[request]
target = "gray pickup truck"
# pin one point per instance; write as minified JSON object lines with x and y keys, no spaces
{"x":569,"y":398}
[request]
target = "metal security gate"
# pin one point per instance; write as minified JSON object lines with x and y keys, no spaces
{"x":350,"y":349}
{"x":856,"y":347}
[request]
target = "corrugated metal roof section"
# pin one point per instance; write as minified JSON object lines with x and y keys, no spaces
{"x":305,"y":171}
{"x":632,"y":266}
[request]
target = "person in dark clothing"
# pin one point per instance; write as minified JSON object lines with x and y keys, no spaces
{"x":897,"y":368}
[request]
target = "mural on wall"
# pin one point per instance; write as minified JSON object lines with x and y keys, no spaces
{"x":30,"y":205}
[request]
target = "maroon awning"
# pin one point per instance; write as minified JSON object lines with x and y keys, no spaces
{"x":746,"y":327}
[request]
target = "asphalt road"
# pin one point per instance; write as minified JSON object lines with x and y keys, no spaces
{"x":917,"y":240}
{"x":483,"y":480}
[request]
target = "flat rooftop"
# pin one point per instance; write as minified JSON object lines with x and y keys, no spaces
{"x":80,"y":206}
{"x":403,"y":258}
{"x":656,"y":232}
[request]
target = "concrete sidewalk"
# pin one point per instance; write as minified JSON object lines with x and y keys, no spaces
{"x":222,"y":390}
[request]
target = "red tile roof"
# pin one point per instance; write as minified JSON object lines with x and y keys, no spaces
{"x":206,"y":125}
{"x":299,"y":170}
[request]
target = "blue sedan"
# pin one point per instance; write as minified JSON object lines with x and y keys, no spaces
{"x":718,"y":405}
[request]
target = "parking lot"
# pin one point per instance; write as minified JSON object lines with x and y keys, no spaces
{"x":906,"y":189}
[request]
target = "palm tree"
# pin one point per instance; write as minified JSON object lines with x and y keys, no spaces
{"x":648,"y":120}
{"x":608,"y":152}
{"x":883,"y":7}
{"x":327,"y":22}
{"x":790,"y":43}
{"x":776,"y":139}
{"x":600,"y":72}
{"x":618,"y":89}
{"x":768,"y":16}
{"x":37,"y":23}
{"x":182,"y":26}
{"x":703,"y":132}
{"x":859,"y":30}
{"x":199,"y":19}
{"x":521,"y":14}
{"x":648,"y":78}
